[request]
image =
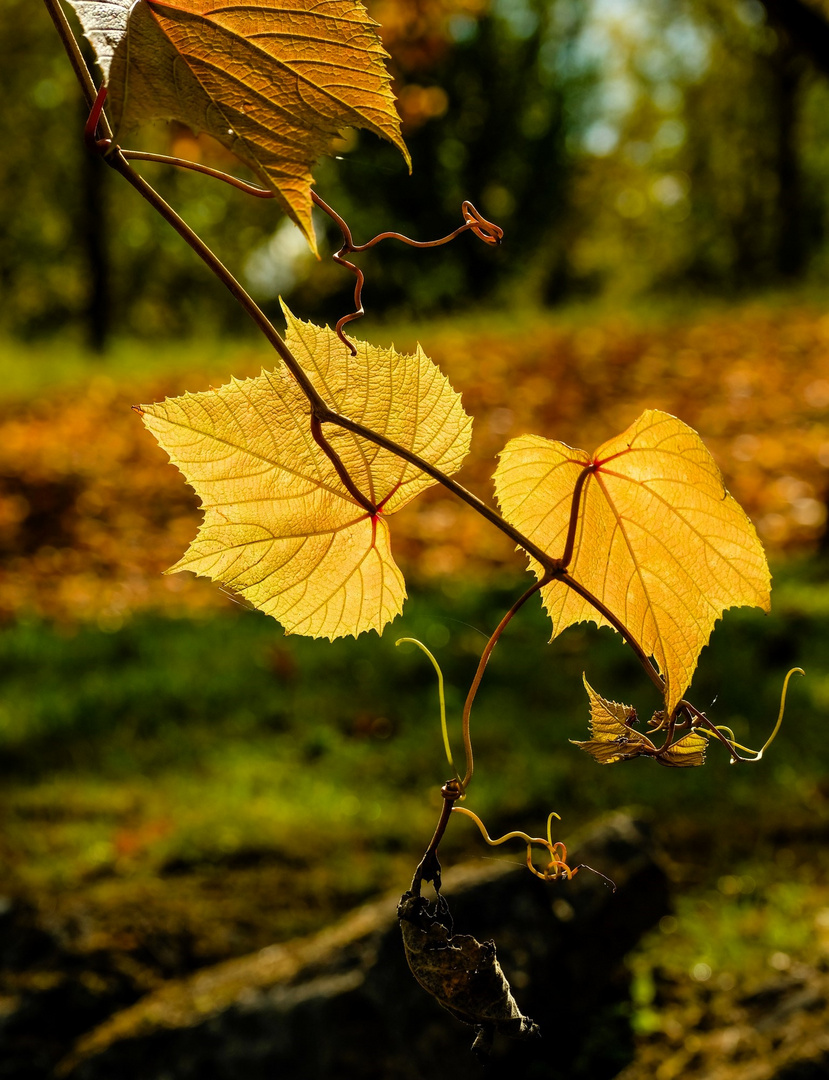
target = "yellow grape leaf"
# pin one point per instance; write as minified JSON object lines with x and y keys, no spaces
{"x":280,"y":528}
{"x":271,"y":82}
{"x":612,"y":739}
{"x":685,"y":752}
{"x":658,"y":540}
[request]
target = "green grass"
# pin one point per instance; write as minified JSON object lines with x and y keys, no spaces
{"x":738,"y":933}
{"x":30,"y":368}
{"x":206,"y":737}
{"x":196,"y":768}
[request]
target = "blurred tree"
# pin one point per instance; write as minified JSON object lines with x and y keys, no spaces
{"x":625,"y":146}
{"x":489,"y":96}
{"x":484,"y":88}
{"x":697,"y":159}
{"x":79,"y":251}
{"x":41,"y":254}
{"x":805,"y":24}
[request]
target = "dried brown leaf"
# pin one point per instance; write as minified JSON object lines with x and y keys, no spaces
{"x":461,"y":973}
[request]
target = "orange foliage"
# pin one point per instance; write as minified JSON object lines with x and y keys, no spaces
{"x":91,"y":513}
{"x":753,"y":382}
{"x":417,"y":33}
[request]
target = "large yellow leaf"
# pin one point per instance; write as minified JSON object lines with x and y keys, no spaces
{"x":659,"y":540}
{"x":273,"y":82}
{"x":279,"y":526}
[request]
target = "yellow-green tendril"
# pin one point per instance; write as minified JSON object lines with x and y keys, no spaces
{"x":770,"y":739}
{"x":555,"y":869}
{"x":550,"y":817}
{"x":443,"y":727}
{"x":758,"y":754}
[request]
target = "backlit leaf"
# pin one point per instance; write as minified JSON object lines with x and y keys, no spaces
{"x":685,"y":752}
{"x":659,"y":540}
{"x":612,"y":737}
{"x":273,"y":82}
{"x":279,"y":526}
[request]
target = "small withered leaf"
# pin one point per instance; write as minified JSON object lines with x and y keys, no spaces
{"x":685,"y":752}
{"x":613,"y":737}
{"x":462,"y":974}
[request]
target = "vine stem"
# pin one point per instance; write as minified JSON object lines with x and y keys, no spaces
{"x":554,"y":569}
{"x":479,"y":674}
{"x":617,"y":625}
{"x":76,"y":58}
{"x":551,"y":565}
{"x":428,"y":869}
{"x":319,"y":408}
{"x":710,"y":727}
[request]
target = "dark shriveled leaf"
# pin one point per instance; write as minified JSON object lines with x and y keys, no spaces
{"x":462,"y":974}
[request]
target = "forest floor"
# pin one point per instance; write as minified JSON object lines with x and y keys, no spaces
{"x":182,"y":783}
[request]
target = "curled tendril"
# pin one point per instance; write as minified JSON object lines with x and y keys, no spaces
{"x":445,"y":731}
{"x":728,"y":735}
{"x":473,"y":221}
{"x":485,"y":230}
{"x":555,"y":869}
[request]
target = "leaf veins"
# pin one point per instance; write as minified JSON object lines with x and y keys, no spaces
{"x":613,"y":738}
{"x":274,"y":83}
{"x":279,"y":526}
{"x":658,"y":538}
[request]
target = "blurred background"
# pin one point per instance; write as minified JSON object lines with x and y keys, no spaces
{"x":171,"y":763}
{"x":629,"y":149}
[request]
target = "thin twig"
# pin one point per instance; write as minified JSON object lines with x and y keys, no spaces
{"x":570,"y":542}
{"x":206,"y":170}
{"x":428,"y":869}
{"x":473,"y":220}
{"x":339,"y":467}
{"x":617,"y":625}
{"x":479,"y":674}
{"x":76,"y":57}
{"x":703,"y":721}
